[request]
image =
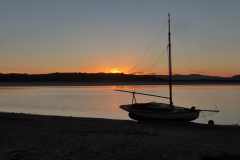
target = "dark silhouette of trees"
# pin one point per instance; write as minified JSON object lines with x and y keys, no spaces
{"x":103,"y":77}
{"x":78,"y":77}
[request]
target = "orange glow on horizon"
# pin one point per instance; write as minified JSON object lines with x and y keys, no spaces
{"x":123,"y":70}
{"x":115,"y":71}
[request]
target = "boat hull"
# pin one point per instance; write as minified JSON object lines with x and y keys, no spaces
{"x":180,"y":116}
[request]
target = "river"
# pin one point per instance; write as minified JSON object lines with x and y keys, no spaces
{"x":104,"y":102}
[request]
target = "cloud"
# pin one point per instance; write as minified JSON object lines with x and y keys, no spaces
{"x":143,"y":73}
{"x":7,"y":72}
{"x":151,"y":74}
{"x":196,"y":71}
{"x":137,"y":73}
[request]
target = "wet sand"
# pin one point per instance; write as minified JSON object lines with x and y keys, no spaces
{"x":53,"y":137}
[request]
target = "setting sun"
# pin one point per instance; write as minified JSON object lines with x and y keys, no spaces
{"x":115,"y":71}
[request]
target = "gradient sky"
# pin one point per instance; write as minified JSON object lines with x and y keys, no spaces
{"x":42,"y":36}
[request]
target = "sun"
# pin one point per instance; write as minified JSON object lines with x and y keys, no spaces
{"x":115,"y":71}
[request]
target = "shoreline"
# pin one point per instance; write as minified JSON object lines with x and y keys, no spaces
{"x":15,"y":84}
{"x":56,"y":137}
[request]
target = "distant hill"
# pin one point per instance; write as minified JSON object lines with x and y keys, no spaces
{"x":196,"y":77}
{"x":236,"y":77}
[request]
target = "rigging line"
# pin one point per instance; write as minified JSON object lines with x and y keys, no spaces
{"x":148,"y":49}
{"x":148,"y":72}
{"x":154,"y":64}
{"x":185,"y":48}
{"x":127,"y":99}
{"x":145,"y":54}
{"x":193,"y":64}
{"x":157,"y":60}
{"x":207,"y":114}
{"x":203,"y":116}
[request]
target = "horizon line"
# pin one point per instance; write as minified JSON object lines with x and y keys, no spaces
{"x":113,"y":73}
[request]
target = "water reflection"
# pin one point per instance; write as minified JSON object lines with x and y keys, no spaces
{"x":104,"y":102}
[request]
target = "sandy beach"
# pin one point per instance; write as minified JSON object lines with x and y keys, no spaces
{"x":26,"y":137}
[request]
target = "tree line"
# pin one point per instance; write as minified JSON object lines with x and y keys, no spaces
{"x":78,"y":77}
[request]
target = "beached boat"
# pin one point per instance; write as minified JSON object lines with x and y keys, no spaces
{"x":161,"y":111}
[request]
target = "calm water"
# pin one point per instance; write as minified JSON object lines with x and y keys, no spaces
{"x":104,"y":102}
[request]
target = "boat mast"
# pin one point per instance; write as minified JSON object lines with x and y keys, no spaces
{"x":170,"y":64}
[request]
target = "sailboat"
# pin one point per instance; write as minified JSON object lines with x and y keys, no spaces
{"x":161,"y":111}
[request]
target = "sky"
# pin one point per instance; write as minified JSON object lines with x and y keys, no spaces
{"x":38,"y":37}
